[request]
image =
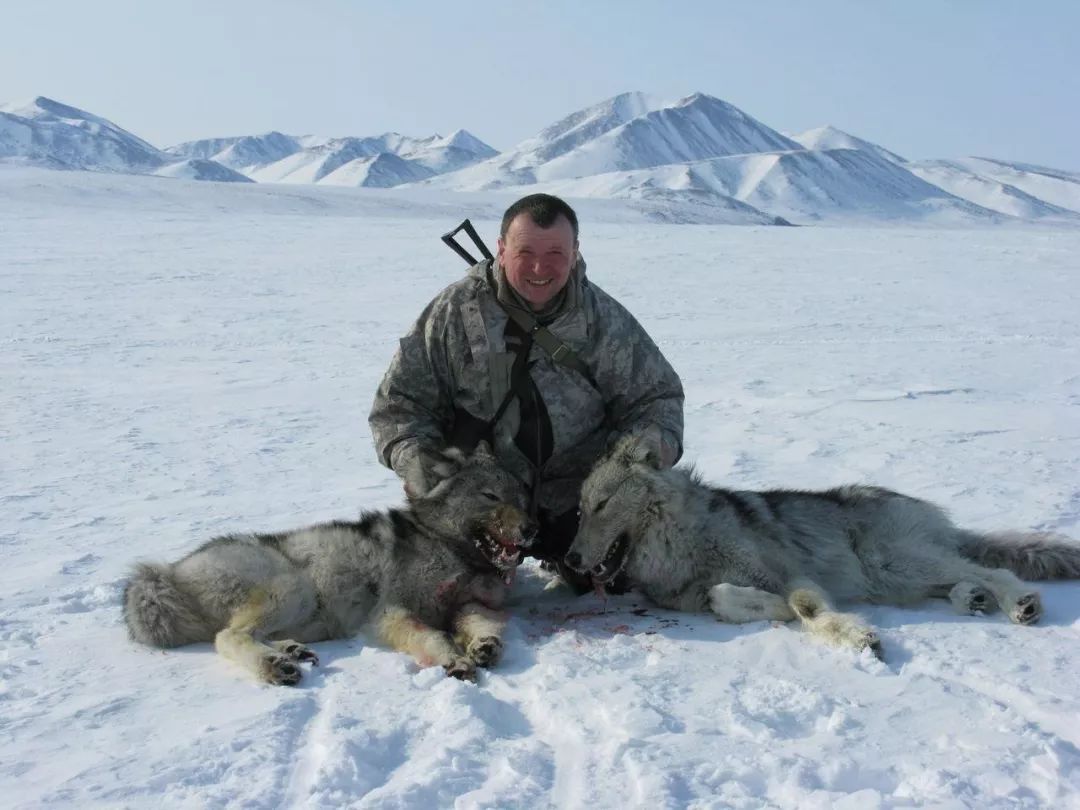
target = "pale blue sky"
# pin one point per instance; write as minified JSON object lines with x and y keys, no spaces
{"x":924,"y":79}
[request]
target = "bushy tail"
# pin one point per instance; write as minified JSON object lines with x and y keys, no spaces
{"x":158,"y":612}
{"x":1029,"y":555}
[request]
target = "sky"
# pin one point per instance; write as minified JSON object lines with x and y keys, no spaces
{"x":924,"y":79}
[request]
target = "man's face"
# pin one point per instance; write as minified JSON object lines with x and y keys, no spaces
{"x":537,"y":260}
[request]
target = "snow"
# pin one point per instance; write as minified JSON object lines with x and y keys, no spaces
{"x":186,"y":359}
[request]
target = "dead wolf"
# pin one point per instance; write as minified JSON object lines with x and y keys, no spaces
{"x":429,"y":578}
{"x":781,"y":554}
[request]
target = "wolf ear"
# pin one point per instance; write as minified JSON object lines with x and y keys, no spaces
{"x":448,"y":463}
{"x":640,"y":448}
{"x":483,"y":451}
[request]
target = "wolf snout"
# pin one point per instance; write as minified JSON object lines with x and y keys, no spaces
{"x":573,"y":560}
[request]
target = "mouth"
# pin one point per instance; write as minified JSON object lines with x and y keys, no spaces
{"x":613,"y":561}
{"x":503,"y":553}
{"x":538,"y":283}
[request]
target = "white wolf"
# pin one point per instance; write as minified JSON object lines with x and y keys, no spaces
{"x":429,"y":578}
{"x":781,"y":554}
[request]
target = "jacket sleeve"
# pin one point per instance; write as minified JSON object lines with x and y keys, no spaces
{"x":641,"y":388}
{"x":413,"y":407}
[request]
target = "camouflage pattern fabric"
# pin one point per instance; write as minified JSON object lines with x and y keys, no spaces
{"x":455,"y":357}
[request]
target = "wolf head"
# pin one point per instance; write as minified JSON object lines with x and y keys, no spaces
{"x":618,"y":500}
{"x":479,"y":506}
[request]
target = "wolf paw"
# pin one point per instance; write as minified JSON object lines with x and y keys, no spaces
{"x":296,"y":651}
{"x":461,"y":668}
{"x":972,"y":599}
{"x":1027,"y":610}
{"x":872,"y":641}
{"x":485,"y":651}
{"x":842,"y":630}
{"x":280,"y":670}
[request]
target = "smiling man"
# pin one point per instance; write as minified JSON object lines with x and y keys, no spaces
{"x":526,"y":353}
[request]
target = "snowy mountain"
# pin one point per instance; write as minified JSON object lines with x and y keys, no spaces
{"x":697,"y":159}
{"x":959,"y":178}
{"x":1021,"y":189}
{"x":828,"y":137}
{"x":380,"y":161}
{"x":201,"y":169}
{"x":835,"y":185}
{"x":242,"y":151}
{"x":625,"y":133}
{"x":48,"y":132}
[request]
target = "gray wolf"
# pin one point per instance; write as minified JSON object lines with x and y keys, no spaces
{"x":782,"y":555}
{"x":429,"y":578}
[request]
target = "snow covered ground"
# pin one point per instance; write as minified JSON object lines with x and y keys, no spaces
{"x":183,"y":359}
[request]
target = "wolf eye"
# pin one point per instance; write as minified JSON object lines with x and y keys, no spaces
{"x":601,"y":505}
{"x":491,"y":496}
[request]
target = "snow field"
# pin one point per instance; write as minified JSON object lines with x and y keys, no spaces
{"x":183,"y":363}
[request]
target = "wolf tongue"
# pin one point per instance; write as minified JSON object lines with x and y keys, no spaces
{"x":598,"y":586}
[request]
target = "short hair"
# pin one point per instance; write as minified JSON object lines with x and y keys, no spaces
{"x":543,"y":210}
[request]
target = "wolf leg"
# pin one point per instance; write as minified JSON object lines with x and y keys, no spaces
{"x":736,"y":604}
{"x":401,"y":630}
{"x":285,"y":601}
{"x":237,"y":643}
{"x":821,"y":620}
{"x":478,"y":630}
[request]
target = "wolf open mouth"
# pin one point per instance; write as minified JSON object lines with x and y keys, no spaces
{"x":613,"y":561}
{"x":502,"y":552}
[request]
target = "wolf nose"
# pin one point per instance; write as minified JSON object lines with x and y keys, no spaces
{"x":573,"y":559}
{"x":528,"y":532}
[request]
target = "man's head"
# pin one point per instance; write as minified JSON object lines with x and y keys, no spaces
{"x":538,"y":245}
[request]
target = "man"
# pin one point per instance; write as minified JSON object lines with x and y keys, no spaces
{"x":471,"y":368}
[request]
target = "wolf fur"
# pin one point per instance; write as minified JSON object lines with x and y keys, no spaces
{"x":782,"y":554}
{"x":429,"y":577}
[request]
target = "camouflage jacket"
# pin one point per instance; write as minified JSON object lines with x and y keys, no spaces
{"x":455,"y":357}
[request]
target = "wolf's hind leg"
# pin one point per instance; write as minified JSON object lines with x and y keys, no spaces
{"x":285,"y":601}
{"x":237,"y":642}
{"x":478,"y":630}
{"x":737,"y":604}
{"x":821,"y":620}
{"x":404,"y":632}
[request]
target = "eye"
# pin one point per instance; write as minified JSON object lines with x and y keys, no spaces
{"x":491,"y":496}
{"x":601,"y":505}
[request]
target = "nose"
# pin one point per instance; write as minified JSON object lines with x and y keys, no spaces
{"x":528,"y":532}
{"x":573,"y":559}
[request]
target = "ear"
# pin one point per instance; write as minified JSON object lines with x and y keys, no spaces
{"x":483,"y":451}
{"x":640,"y":448}
{"x":448,"y":463}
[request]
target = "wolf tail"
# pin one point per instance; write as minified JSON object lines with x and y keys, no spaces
{"x":1029,"y":555}
{"x":158,"y":612}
